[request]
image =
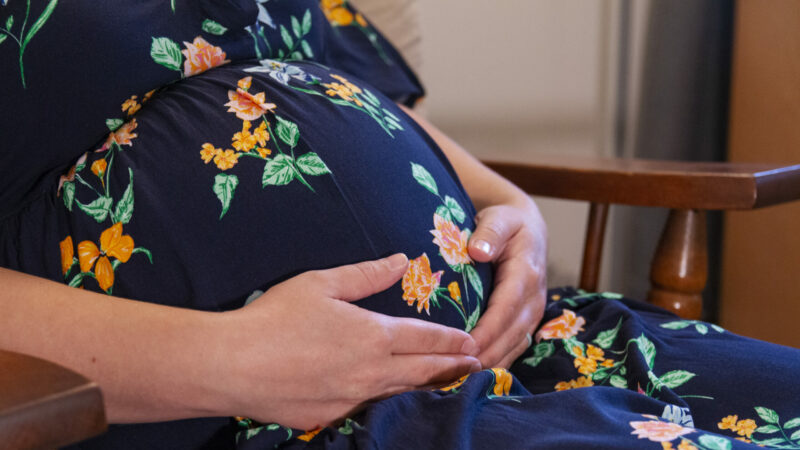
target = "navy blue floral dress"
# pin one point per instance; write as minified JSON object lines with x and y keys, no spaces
{"x":195,"y":153}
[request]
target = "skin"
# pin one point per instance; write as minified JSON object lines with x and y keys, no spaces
{"x":301,"y":354}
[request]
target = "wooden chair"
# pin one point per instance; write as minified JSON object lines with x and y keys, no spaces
{"x":680,"y":265}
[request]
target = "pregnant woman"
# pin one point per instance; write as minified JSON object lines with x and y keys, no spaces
{"x":217,"y":210}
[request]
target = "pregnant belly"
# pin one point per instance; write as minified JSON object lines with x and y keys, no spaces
{"x":237,"y":179}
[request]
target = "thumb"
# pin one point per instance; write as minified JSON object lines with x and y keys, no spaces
{"x":356,"y":281}
{"x":493,"y":230}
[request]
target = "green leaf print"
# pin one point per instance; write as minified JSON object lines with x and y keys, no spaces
{"x":9,"y":23}
{"x":69,"y":194}
{"x":97,"y":209}
{"x":701,"y":328}
{"x":311,"y":164}
{"x":618,"y":382}
{"x":604,"y":339}
{"x":306,"y":21}
{"x":23,"y":39}
{"x":124,"y":209}
{"x":145,"y":251}
{"x":166,"y":52}
{"x":424,"y":178}
{"x":657,"y":383}
{"x":455,"y":209}
{"x":647,"y":348}
{"x":676,"y":325}
{"x":287,"y":38}
{"x":792,"y":423}
{"x":211,"y":27}
{"x":3,"y":37}
{"x":541,"y":351}
{"x":474,"y":279}
{"x":114,"y":124}
{"x":443,"y":212}
{"x":287,"y":131}
{"x":306,"y":48}
{"x":39,"y":22}
{"x":795,"y":436}
{"x":571,"y":343}
{"x":278,"y":171}
{"x":675,"y":378}
{"x":224,"y":187}
{"x":611,"y":295}
{"x":767,"y":429}
{"x":296,"y":29}
{"x":766,"y":414}
{"x":473,"y":319}
{"x":714,"y":442}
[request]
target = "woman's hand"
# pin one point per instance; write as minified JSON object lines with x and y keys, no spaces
{"x":305,"y":356}
{"x":514,"y":238}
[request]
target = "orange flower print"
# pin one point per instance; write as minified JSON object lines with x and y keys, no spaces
{"x":336,"y":12}
{"x":209,"y":152}
{"x":131,"y":106}
{"x":746,"y":427}
{"x":607,"y":363}
{"x":245,"y":83}
{"x":147,"y":95}
{"x":361,"y":20}
{"x":261,"y":133}
{"x":247,"y":106}
{"x":343,"y":92}
{"x":686,"y":445}
{"x":564,"y":326}
{"x":452,"y":242}
{"x":244,"y":140}
{"x":309,"y":435}
{"x":455,"y":384}
{"x":455,"y":291}
{"x":419,"y":284}
{"x":574,"y":384}
{"x":201,"y":56}
{"x":595,"y":353}
{"x":226,"y":159}
{"x":112,"y":244}
{"x":502,"y":381}
{"x":586,"y":366}
{"x":350,"y":86}
{"x":99,"y":167}
{"x":728,"y":423}
{"x":67,"y":254}
{"x":122,"y":136}
{"x":658,"y":431}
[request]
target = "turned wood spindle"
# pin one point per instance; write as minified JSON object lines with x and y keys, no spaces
{"x":680,"y":265}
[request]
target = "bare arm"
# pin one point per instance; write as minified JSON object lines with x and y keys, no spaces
{"x":512,"y":234}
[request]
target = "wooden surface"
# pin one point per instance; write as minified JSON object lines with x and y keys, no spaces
{"x":43,"y":405}
{"x":593,"y":246}
{"x":670,"y":184}
{"x":760,"y":293}
{"x":680,"y":266}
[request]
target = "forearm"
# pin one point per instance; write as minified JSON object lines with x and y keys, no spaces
{"x":152,"y":362}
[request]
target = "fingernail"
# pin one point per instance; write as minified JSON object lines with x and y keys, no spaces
{"x":475,"y":367}
{"x":397,"y":261}
{"x":469,"y":347}
{"x":483,"y":246}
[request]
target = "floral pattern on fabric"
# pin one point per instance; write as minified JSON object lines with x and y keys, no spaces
{"x":93,"y":261}
{"x":771,"y":434}
{"x":279,"y":169}
{"x":420,"y":283}
{"x":21,"y":31}
{"x":340,"y":14}
{"x":197,"y":56}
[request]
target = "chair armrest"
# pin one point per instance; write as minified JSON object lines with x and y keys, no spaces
{"x":670,"y":184}
{"x":43,"y":405}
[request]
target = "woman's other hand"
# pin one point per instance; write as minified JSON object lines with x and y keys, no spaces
{"x":514,"y":238}
{"x":304,"y":356}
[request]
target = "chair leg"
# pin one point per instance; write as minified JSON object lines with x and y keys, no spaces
{"x":680,"y":265}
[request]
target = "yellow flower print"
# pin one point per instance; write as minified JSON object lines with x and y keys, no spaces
{"x":728,"y":423}
{"x":455,"y":291}
{"x":226,"y":159}
{"x":607,"y":363}
{"x":686,"y":445}
{"x":112,"y":244}
{"x":309,"y":435}
{"x":261,"y":133}
{"x":361,"y":20}
{"x":99,"y":167}
{"x":147,"y":95}
{"x":336,"y":13}
{"x":67,"y":254}
{"x":746,"y":427}
{"x":209,"y":152}
{"x":263,"y":152}
{"x":452,"y":242}
{"x":344,"y":90}
{"x":131,"y":106}
{"x":658,"y":431}
{"x":586,"y":366}
{"x":667,"y":446}
{"x":244,"y":140}
{"x":455,"y":384}
{"x":201,"y":56}
{"x":419,"y":283}
{"x":595,"y":353}
{"x":502,"y":381}
{"x":352,"y":87}
{"x":565,"y":326}
{"x":574,"y":384}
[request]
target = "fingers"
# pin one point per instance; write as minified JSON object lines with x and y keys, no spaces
{"x":494,"y":228}
{"x":416,"y":336}
{"x":356,"y":281}
{"x":509,"y":359}
{"x":425,"y":370}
